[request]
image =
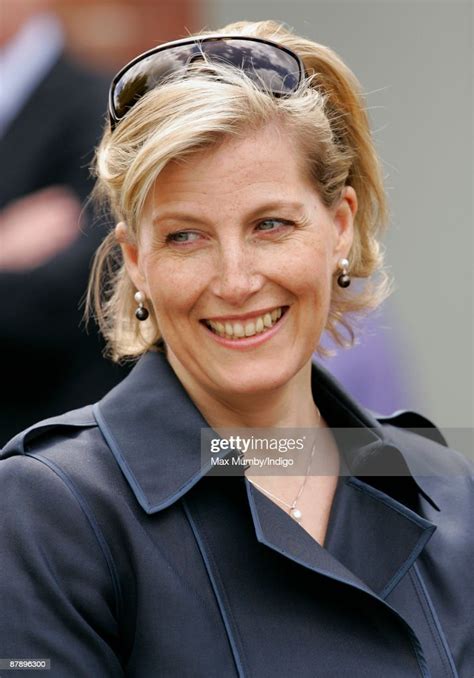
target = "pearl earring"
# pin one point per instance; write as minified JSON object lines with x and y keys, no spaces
{"x":344,"y":279}
{"x":141,"y":313}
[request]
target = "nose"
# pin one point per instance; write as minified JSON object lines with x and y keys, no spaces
{"x":236,"y":276}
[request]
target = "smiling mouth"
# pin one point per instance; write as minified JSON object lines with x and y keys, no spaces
{"x":232,"y":329}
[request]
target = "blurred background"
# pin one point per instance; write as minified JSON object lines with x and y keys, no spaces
{"x":415,"y":62}
{"x":108,"y":33}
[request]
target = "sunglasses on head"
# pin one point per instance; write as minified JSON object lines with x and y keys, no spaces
{"x":272,"y":67}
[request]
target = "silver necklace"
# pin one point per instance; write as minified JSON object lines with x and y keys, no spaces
{"x":293,"y":510}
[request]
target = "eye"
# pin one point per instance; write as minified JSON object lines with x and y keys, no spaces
{"x":182,"y":237}
{"x":271,"y":225}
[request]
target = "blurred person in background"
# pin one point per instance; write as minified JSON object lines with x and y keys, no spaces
{"x":51,"y":113}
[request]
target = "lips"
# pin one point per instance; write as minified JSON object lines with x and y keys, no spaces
{"x":235,"y":329}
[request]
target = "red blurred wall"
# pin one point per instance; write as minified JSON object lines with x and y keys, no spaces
{"x":107,"y":33}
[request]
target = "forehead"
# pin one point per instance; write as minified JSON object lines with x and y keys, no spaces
{"x":265,"y":163}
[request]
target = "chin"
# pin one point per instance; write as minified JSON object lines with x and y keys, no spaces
{"x":253,"y":379}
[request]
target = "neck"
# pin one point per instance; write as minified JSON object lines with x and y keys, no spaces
{"x":290,"y":405}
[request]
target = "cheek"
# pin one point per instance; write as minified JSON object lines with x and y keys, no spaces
{"x":307,"y":272}
{"x":174,"y":286}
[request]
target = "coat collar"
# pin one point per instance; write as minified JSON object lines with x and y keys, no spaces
{"x":154,"y":432}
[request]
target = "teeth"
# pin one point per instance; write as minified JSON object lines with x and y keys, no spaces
{"x":250,"y":329}
{"x":238,"y":330}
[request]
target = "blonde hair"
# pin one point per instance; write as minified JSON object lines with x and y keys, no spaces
{"x":328,"y":119}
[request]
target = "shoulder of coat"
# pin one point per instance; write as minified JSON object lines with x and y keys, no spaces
{"x":75,"y":419}
{"x":414,"y":422}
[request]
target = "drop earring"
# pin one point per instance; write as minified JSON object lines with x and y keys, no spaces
{"x":141,"y":313}
{"x":343,"y":279}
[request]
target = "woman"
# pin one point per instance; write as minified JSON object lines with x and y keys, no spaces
{"x":241,"y":173}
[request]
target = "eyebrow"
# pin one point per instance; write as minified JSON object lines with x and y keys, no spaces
{"x":258,"y":211}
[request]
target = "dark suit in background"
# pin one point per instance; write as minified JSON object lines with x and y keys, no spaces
{"x":42,"y":346}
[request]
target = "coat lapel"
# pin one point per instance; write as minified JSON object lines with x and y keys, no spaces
{"x":370,"y":543}
{"x":375,"y":536}
{"x":278,"y":531}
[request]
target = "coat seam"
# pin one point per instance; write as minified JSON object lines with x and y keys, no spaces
{"x":422,"y":666}
{"x":404,"y":568}
{"x":93,"y":524}
{"x":428,"y":621}
{"x":219,"y":591}
{"x":434,"y":627}
{"x":156,"y":547}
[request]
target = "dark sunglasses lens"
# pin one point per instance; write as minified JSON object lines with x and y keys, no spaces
{"x":269,"y":66}
{"x":146,"y":75}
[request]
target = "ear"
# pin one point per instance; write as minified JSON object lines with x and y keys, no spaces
{"x":131,"y":256}
{"x":343,"y":217}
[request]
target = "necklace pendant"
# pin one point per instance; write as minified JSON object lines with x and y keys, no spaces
{"x":296,"y":513}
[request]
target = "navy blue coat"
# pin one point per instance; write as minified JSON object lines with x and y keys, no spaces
{"x":120,"y":556}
